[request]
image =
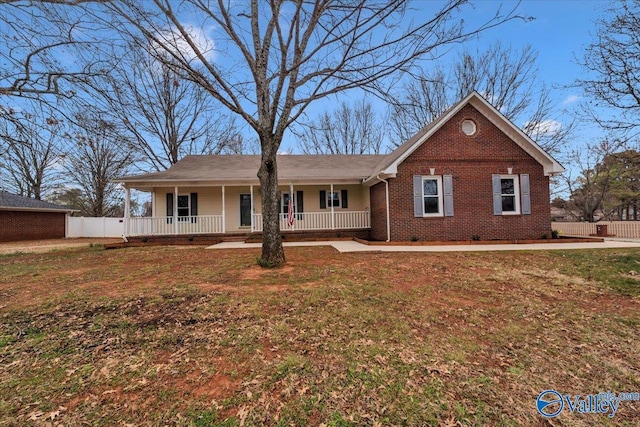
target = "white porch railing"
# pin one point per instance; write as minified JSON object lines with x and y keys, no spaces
{"x":626,"y":229}
{"x":206,"y":224}
{"x":320,"y":221}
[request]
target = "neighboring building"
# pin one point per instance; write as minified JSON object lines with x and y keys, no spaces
{"x":24,"y":218}
{"x":469,"y":174}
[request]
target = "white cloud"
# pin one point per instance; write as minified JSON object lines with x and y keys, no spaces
{"x":173,"y":40}
{"x":545,"y":127}
{"x":571,"y":99}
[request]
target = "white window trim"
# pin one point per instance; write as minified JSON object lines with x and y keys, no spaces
{"x":516,"y":191}
{"x":339,"y":192}
{"x":183,"y":217}
{"x":440,"y":212}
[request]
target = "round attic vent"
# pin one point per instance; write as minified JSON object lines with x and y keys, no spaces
{"x":469,"y":127}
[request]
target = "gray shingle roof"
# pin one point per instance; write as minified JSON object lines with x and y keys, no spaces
{"x":241,"y":168}
{"x":13,"y":201}
{"x":329,"y":168}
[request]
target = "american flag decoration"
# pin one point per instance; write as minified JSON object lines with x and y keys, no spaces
{"x":290,"y":217}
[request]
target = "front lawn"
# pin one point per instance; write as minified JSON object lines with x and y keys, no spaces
{"x":195,"y":337}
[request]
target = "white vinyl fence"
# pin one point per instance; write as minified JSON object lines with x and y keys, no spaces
{"x":625,"y":229}
{"x":95,"y":227}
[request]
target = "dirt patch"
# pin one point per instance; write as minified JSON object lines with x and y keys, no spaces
{"x":255,"y":272}
{"x":40,"y":246}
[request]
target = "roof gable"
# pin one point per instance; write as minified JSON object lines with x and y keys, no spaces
{"x":389,"y":165}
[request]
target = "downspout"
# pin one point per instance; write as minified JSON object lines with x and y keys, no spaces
{"x":387,"y":200}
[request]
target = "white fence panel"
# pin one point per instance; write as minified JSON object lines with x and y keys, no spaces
{"x":625,"y":229}
{"x":95,"y":227}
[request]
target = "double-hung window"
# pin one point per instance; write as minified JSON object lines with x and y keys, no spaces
{"x":298,"y":204}
{"x":511,"y":195}
{"x":333,"y":199}
{"x":184,"y":207}
{"x":432,"y":195}
{"x":187,"y":207}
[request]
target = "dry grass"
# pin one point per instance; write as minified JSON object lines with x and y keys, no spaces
{"x":186,"y":336}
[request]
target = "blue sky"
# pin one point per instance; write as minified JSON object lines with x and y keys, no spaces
{"x":560,"y":32}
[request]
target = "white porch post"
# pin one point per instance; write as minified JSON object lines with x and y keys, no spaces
{"x":251,"y":191}
{"x":293,"y":224}
{"x":224,"y":226}
{"x":175,"y":210}
{"x":333,"y":223}
{"x":127,"y":209}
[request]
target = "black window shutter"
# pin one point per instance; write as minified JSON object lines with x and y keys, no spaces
{"x":299,"y":204}
{"x":169,"y":207}
{"x":194,"y":207}
{"x":323,"y":199}
{"x":345,"y":202}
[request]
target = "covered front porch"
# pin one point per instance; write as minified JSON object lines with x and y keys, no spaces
{"x":232,"y":209}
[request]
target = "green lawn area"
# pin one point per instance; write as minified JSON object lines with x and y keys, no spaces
{"x":183,"y":336}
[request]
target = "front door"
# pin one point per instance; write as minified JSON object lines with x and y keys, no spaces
{"x":245,"y":210}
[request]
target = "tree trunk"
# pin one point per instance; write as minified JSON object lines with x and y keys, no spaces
{"x":272,"y":251}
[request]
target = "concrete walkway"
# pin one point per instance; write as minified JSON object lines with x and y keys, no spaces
{"x":352,"y":246}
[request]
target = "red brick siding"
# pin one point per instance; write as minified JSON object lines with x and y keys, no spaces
{"x":16,"y":225}
{"x":471,"y":161}
{"x":378,"y":212}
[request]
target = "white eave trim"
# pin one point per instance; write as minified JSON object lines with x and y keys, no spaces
{"x":549,"y":164}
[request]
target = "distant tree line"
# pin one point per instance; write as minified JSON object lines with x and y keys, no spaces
{"x":607,"y":186}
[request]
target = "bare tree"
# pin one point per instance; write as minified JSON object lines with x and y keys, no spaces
{"x":30,"y":147}
{"x":276,"y":58}
{"x":166,"y":115}
{"x":239,"y":144}
{"x":614,"y":62}
{"x":595,"y":178}
{"x":506,"y":77}
{"x":43,"y":46}
{"x":97,"y":155}
{"x":350,"y":129}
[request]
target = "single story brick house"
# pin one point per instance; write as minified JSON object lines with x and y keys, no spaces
{"x":471,"y":174}
{"x":24,"y":218}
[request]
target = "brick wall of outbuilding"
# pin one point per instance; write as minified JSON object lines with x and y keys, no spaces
{"x":471,"y":160}
{"x":29,"y":225}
